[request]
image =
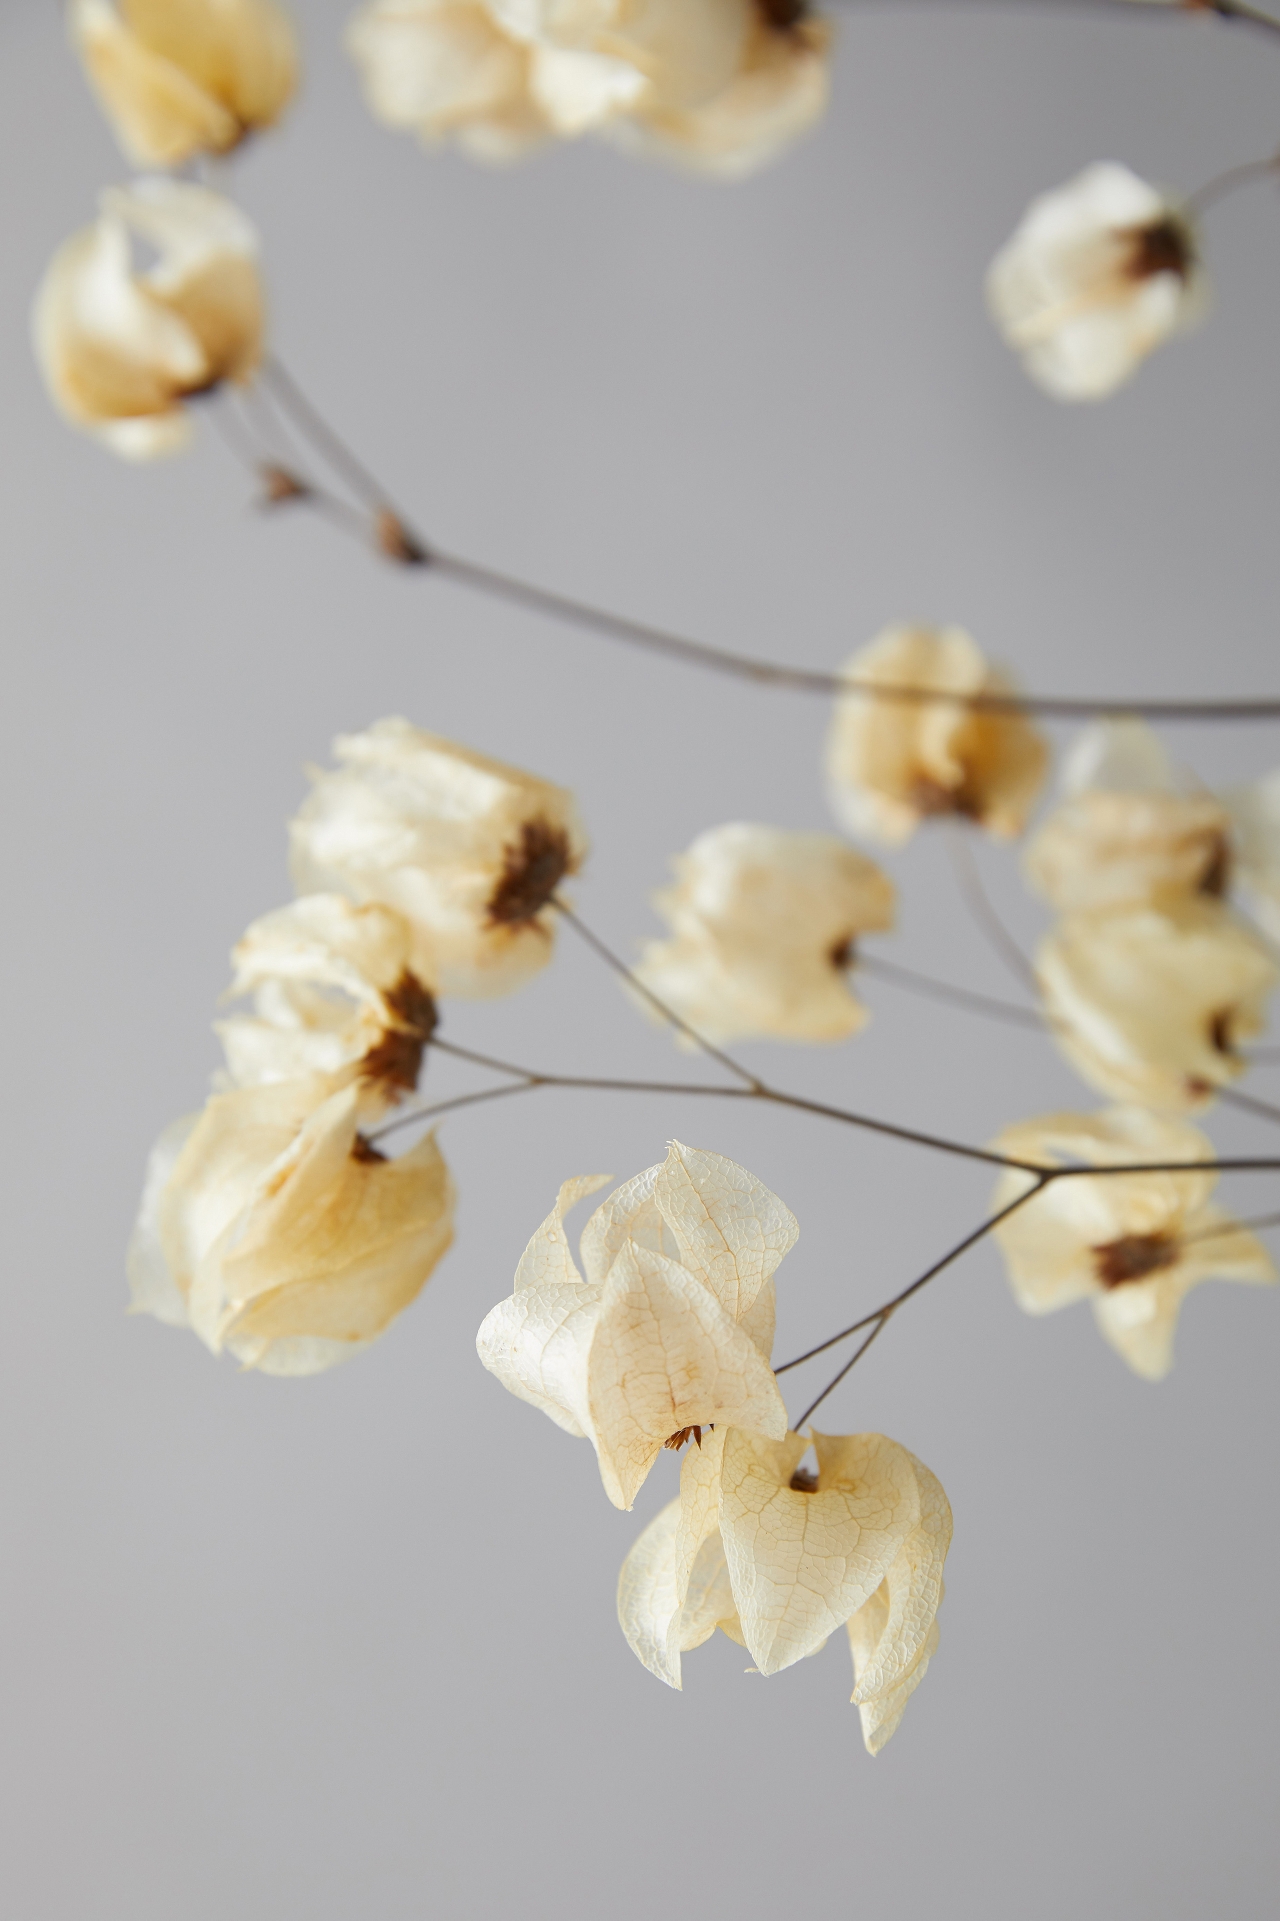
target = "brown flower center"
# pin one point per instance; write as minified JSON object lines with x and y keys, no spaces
{"x":1216,"y":877}
{"x":1163,"y":247}
{"x":804,"y":1481}
{"x":396,"y":1061}
{"x":677,"y":1440}
{"x":930,"y":797}
{"x":365,"y":1152}
{"x":1220,"y":1032}
{"x":1132,"y":1258}
{"x":783,"y":14}
{"x":532,"y":871}
{"x":843,"y":954}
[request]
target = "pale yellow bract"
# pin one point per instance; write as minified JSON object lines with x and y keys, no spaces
{"x":1150,"y":1003}
{"x":332,"y":993}
{"x":669,"y":1327}
{"x":121,"y":350}
{"x":1133,"y":1244}
{"x":764,"y":925}
{"x":271,"y":1229}
{"x":178,"y":78}
{"x":1099,"y":272}
{"x":891,"y":764}
{"x":780,"y":1560}
{"x":469,"y":851}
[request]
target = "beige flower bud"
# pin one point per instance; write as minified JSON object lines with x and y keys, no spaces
{"x":1133,"y":1244}
{"x":469,"y":851}
{"x":779,"y":1558}
{"x":448,"y":69}
{"x":1255,"y":819}
{"x":672,"y":1329}
{"x":184,"y":77}
{"x":1099,"y":272}
{"x":333,"y":994}
{"x":778,"y":92}
{"x":121,"y":349}
{"x":271,"y":1227}
{"x":1150,"y":1004}
{"x":893,"y":763}
{"x":1124,"y":835}
{"x":764,"y":925}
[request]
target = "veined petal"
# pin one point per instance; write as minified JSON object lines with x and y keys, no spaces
{"x":547,"y":1258}
{"x":537,"y":1342}
{"x":665,"y":1613}
{"x":881,"y":1715}
{"x":732,"y":1231}
{"x":913,"y":1590}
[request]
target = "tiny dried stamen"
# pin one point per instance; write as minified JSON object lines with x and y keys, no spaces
{"x":396,"y":1061}
{"x":783,"y":14}
{"x":1163,"y":247}
{"x":1132,"y":1258}
{"x":931,"y":798}
{"x":843,"y":955}
{"x":1216,"y":877}
{"x":684,"y":1434}
{"x":1220,"y":1033}
{"x":364,"y":1151}
{"x":532,"y":872}
{"x":804,"y":1481}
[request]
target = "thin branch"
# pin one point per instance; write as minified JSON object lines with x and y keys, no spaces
{"x":1249,"y":1103}
{"x":399,"y":541}
{"x":1232,"y":12}
{"x":1223,"y":184}
{"x":852,"y":1362}
{"x":949,"y":996}
{"x":976,"y":899}
{"x":376,"y":1134}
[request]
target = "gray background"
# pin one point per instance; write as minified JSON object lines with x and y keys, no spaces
{"x":346,"y":1647}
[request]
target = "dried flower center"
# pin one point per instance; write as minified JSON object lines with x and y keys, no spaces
{"x":1220,"y":1038}
{"x":930,"y":797}
{"x":678,"y":1439}
{"x":1132,"y":1258}
{"x":533,"y":870}
{"x":396,"y":1061}
{"x":1163,"y":247}
{"x":1216,"y":877}
{"x":783,"y":14}
{"x":804,"y":1481}
{"x":364,"y":1151}
{"x":843,"y":954}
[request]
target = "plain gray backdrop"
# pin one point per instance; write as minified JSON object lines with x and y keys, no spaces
{"x":346,"y":1647}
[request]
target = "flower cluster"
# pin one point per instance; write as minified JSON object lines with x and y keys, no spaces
{"x":271,"y":1223}
{"x":663,"y":1341}
{"x":720,"y":85}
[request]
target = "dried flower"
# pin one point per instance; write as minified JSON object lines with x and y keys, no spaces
{"x":1150,"y":1003}
{"x":672,"y":1328}
{"x":122,"y":349}
{"x":779,"y":1559}
{"x":469,"y":851}
{"x":271,"y":1227}
{"x":1124,"y":835}
{"x":1133,"y":1244}
{"x":764,"y":926}
{"x":778,"y":91}
{"x":333,"y":994}
{"x":448,"y":68}
{"x":893,"y":763}
{"x":179,"y":78}
{"x":1255,"y":820}
{"x":1099,"y":272}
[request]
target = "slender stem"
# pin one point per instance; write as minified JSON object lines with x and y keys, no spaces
{"x":660,"y":1007}
{"x":977,"y":900}
{"x":1224,"y":183}
{"x":852,"y":1362}
{"x":1250,"y":1103}
{"x":376,"y":1134}
{"x":1233,"y":1227}
{"x":396,"y":538}
{"x":1233,"y":12}
{"x":949,"y":996}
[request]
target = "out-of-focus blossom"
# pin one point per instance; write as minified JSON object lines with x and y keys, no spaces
{"x":1099,"y":272}
{"x":123,"y":348}
{"x":1150,"y":1004}
{"x":892,"y":763}
{"x":469,"y":851}
{"x":183,"y":77}
{"x":1255,"y":820}
{"x":780,"y":1557}
{"x":1124,"y":834}
{"x":333,"y":994}
{"x":778,"y":92}
{"x":672,"y":1328}
{"x":271,"y":1226}
{"x":723,"y":84}
{"x":764,"y":925}
{"x":1133,"y":1244}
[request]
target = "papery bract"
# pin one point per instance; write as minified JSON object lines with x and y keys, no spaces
{"x":672,"y":1327}
{"x":892,"y":763}
{"x":1134,"y":1244}
{"x":279,"y":1235}
{"x":764,"y":925}
{"x":179,"y":78}
{"x":469,"y":851}
{"x":1099,"y":272}
{"x":333,"y":993}
{"x":1150,"y":1004}
{"x":121,"y":348}
{"x":1255,"y":821}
